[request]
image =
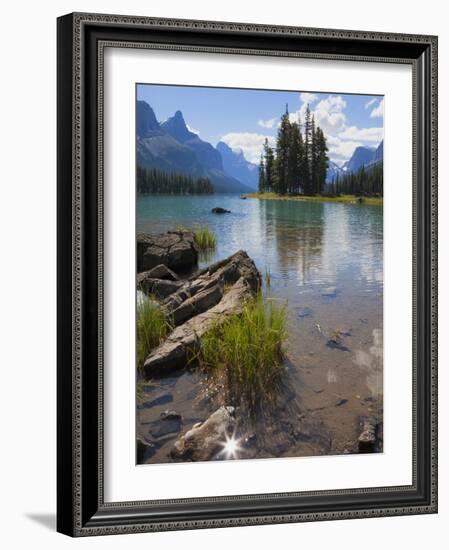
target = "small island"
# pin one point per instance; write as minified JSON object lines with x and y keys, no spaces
{"x":297,"y":168}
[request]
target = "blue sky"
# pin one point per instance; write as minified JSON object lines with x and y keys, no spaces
{"x":243,"y":118}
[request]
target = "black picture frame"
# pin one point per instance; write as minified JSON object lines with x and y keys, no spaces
{"x":81,"y":509}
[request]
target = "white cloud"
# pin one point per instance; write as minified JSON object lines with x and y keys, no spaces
{"x":362,"y":134}
{"x":378,"y":111}
{"x":307,"y":97}
{"x":329,"y":114}
{"x":250,"y":143}
{"x":340,"y":150}
{"x":197,"y":132}
{"x":268,"y":123}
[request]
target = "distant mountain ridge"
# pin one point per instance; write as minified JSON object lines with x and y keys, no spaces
{"x":363,"y":156}
{"x":172,"y":147}
{"x":236,"y":165}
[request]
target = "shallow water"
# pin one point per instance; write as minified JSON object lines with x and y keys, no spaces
{"x":325,"y":260}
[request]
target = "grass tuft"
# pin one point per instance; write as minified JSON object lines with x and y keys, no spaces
{"x":152,"y":328}
{"x":205,"y":238}
{"x":245,"y":352}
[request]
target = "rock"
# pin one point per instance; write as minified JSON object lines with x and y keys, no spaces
{"x":190,"y":307}
{"x":161,"y":271}
{"x":303,"y":312}
{"x":219,"y":210}
{"x":170,"y":422}
{"x":152,"y":257}
{"x":329,"y":292}
{"x":206,"y":440}
{"x":175,"y":249}
{"x":250,"y":440}
{"x":144,"y":450}
{"x":340,"y":402}
{"x":199,"y":303}
{"x":161,"y":400}
{"x":182,"y":255}
{"x":173,"y":353}
{"x":159,"y":287}
{"x":243,"y":197}
{"x":336,"y":342}
{"x":368,"y":438}
{"x":171,"y":415}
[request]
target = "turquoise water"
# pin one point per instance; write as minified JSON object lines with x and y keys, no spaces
{"x":306,"y":247}
{"x":325,"y":261}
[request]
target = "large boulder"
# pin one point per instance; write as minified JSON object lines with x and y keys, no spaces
{"x":175,"y":249}
{"x":206,"y":440}
{"x":174,"y":352}
{"x":161,"y":288}
{"x":161,"y":271}
{"x":201,"y":303}
{"x":198,"y":305}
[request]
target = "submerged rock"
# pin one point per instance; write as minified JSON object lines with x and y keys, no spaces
{"x":206,"y":440}
{"x":170,"y":422}
{"x":303,"y":312}
{"x":201,"y":303}
{"x":340,"y":402}
{"x":220,"y":210}
{"x":175,"y":249}
{"x":329,"y":292}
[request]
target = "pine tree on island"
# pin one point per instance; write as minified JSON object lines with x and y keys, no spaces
{"x":298,"y":161}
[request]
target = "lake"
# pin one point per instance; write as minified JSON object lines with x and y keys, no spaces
{"x":325,"y":261}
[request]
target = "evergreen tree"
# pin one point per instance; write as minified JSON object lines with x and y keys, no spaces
{"x":307,"y":185}
{"x":282,"y":154}
{"x":262,"y":179}
{"x":270,"y":168}
{"x":152,"y":180}
{"x":301,"y":161}
{"x":321,"y":162}
{"x":313,"y":158}
{"x":293,"y":155}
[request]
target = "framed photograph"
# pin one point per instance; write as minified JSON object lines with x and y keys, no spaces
{"x":247,"y":279}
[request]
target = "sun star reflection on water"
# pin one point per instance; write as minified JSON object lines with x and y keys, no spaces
{"x":231,"y":447}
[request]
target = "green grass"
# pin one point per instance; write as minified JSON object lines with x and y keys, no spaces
{"x":245,"y":352}
{"x":205,"y":238}
{"x":347,"y":199}
{"x":152,"y":328}
{"x":268,"y":278}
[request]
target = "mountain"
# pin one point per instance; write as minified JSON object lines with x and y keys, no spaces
{"x":333,"y":170}
{"x":360,"y":157}
{"x":172,"y":147}
{"x":379,"y":154}
{"x":363,"y":156}
{"x":207,"y":155}
{"x":236,"y":165}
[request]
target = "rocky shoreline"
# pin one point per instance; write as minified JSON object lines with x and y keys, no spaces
{"x":196,"y":300}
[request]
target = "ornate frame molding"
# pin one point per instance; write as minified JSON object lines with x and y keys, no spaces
{"x":81,"y":513}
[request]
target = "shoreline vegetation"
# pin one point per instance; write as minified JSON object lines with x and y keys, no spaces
{"x":240,"y":350}
{"x":345,"y":199}
{"x":244,"y":354}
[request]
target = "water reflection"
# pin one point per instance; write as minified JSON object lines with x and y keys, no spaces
{"x":296,"y":234}
{"x":371,"y":362}
{"x":324,"y":259}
